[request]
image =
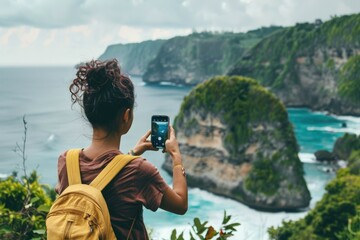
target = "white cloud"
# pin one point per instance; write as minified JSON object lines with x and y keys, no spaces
{"x":76,"y":29}
{"x":129,"y":34}
{"x":107,"y":40}
{"x":85,"y":31}
{"x":162,"y":33}
{"x":49,"y":38}
{"x":5,"y":36}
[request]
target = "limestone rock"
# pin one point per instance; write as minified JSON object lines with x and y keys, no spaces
{"x":303,"y":64}
{"x":236,"y":141}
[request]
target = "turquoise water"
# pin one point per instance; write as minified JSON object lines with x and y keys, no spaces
{"x":42,"y":95}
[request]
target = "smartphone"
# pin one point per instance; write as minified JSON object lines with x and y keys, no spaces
{"x":159,"y":130}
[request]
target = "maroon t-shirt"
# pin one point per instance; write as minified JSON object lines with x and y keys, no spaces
{"x":138,"y":183}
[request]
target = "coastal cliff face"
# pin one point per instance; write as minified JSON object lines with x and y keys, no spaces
{"x":133,"y":57}
{"x":194,"y":58}
{"x":236,"y":141}
{"x":303,"y":64}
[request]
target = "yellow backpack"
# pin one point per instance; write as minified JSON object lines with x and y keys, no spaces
{"x":80,"y":212}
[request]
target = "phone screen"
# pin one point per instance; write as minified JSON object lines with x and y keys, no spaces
{"x":159,"y":130}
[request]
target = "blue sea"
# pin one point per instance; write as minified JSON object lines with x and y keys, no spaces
{"x":41,"y":94}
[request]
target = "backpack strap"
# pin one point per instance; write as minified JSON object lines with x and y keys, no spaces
{"x":73,"y":166}
{"x":111,"y":170}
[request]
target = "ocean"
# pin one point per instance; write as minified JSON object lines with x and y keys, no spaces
{"x":41,"y":94}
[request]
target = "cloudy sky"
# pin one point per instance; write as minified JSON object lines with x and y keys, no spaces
{"x":65,"y":32}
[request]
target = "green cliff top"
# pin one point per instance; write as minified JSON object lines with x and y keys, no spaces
{"x":241,"y":103}
{"x":273,"y":59}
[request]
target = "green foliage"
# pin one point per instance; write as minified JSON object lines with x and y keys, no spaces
{"x":201,"y":230}
{"x":354,"y":162}
{"x":24,"y":202}
{"x":345,"y":145}
{"x":275,"y":60}
{"x":12,"y":194}
{"x":349,"y":86}
{"x":263,"y":178}
{"x":19,"y":219}
{"x":335,"y":216}
{"x":239,"y":101}
{"x":201,"y":55}
{"x":133,"y":57}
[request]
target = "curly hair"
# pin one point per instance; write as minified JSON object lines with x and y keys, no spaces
{"x":103,"y":93}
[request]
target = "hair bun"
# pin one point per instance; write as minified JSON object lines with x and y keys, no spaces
{"x":97,"y":78}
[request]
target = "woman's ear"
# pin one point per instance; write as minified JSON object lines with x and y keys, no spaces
{"x":127,"y":115}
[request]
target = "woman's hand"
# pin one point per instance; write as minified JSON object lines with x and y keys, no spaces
{"x":172,"y":146}
{"x":144,"y":145}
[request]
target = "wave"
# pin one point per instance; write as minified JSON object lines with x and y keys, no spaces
{"x":348,"y":118}
{"x":140,"y":84}
{"x":51,"y":137}
{"x":335,"y":130}
{"x":307,"y":158}
{"x":165,"y":84}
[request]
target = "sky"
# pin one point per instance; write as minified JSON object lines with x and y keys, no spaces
{"x":66,"y":32}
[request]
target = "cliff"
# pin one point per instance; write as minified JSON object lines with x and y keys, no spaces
{"x":133,"y":57}
{"x":305,"y":65}
{"x":194,"y":58}
{"x":236,"y":141}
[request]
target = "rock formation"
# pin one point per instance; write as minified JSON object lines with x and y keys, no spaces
{"x":303,"y":64}
{"x":133,"y":57}
{"x":192,"y":59}
{"x":236,"y":141}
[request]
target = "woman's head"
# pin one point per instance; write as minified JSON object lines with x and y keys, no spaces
{"x":104,"y":94}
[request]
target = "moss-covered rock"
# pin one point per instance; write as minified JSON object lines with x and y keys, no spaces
{"x":237,"y":141}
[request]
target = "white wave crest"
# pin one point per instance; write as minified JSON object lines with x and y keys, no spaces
{"x":307,"y":157}
{"x":51,"y":137}
{"x":348,"y":119}
{"x":335,"y":130}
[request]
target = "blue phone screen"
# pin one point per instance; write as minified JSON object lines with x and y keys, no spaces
{"x":159,"y":133}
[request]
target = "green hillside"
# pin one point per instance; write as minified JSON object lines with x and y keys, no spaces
{"x":308,"y":57}
{"x":192,"y":59}
{"x":133,"y":57}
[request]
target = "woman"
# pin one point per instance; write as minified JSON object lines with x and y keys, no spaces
{"x":107,"y":98}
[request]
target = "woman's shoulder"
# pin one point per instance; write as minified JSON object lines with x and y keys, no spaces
{"x":145,"y":168}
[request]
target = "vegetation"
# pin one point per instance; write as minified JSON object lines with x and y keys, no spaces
{"x":344,"y":146}
{"x":133,"y":57}
{"x":349,"y":86}
{"x":198,"y":56}
{"x":23,"y":211}
{"x":200,"y":230}
{"x":239,"y":101}
{"x":243,"y":106}
{"x":24,"y":202}
{"x":263,"y":173}
{"x":337,"y":215}
{"x":275,"y":58}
